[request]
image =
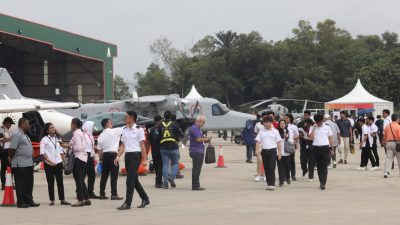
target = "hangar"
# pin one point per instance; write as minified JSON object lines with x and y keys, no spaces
{"x":53,"y":64}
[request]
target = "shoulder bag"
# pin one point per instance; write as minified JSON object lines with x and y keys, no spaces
{"x":397,"y":143}
{"x":210,"y":154}
{"x":69,"y":162}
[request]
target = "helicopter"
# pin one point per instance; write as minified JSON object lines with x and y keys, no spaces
{"x":279,"y":109}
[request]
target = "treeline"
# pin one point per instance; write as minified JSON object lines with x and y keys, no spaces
{"x":321,"y":63}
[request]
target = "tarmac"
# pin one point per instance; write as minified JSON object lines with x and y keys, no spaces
{"x":231,"y":197}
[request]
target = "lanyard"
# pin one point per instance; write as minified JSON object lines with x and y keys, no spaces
{"x":91,"y":139}
{"x":54,"y":143}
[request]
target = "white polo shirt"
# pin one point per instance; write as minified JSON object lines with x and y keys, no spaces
{"x":131,"y":137}
{"x":50,"y":146}
{"x":268,"y":138}
{"x":259,"y":126}
{"x":108,"y":140}
{"x":293,"y":132}
{"x":366,"y":131}
{"x":321,"y":135}
{"x":7,"y":134}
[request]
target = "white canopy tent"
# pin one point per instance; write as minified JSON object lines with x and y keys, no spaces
{"x":193,"y":94}
{"x":360,"y":99}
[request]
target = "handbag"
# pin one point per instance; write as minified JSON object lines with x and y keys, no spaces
{"x":289,"y":147}
{"x":210,"y":155}
{"x":69,"y":161}
{"x":397,"y":143}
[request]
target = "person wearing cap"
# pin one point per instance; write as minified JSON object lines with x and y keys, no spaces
{"x":169,"y":149}
{"x":321,"y":134}
{"x":5,"y":141}
{"x":336,"y":137}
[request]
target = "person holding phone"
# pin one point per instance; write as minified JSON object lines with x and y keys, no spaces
{"x":52,"y":153}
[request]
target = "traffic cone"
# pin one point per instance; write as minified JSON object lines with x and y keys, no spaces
{"x":221,"y":163}
{"x":8,"y":199}
{"x":123,"y":172}
{"x":181,"y":166}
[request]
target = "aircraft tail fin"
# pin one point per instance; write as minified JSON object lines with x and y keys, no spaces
{"x":305,"y":106}
{"x":8,"y":89}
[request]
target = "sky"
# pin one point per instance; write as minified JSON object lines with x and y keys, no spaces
{"x":133,"y":25}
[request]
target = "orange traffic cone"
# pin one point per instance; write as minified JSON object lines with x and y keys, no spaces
{"x":221,"y":163}
{"x":8,"y":199}
{"x":123,"y":172}
{"x":181,"y":166}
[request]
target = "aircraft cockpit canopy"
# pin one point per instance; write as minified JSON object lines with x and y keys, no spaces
{"x":219,"y":109}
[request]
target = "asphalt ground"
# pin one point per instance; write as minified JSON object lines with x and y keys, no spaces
{"x":231,"y":197}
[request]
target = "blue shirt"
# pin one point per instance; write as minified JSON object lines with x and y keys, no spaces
{"x":195,"y":133}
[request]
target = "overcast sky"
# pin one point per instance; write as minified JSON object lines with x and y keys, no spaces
{"x":133,"y":25}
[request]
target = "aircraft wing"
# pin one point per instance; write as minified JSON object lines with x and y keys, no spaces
{"x":13,"y":107}
{"x":147,"y":99}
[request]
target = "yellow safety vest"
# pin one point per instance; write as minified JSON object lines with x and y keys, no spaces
{"x":167,"y":132}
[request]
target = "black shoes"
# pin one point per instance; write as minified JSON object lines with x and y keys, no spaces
{"x":33,"y":204}
{"x":116,"y":197}
{"x":158,"y":186}
{"x":103,"y":197}
{"x":179,"y":176}
{"x":322,"y":187}
{"x":23,"y":206}
{"x":94,"y":196}
{"x":249,"y":161}
{"x":165,"y":185}
{"x":88,"y":202}
{"x":173,"y":184}
{"x":124,"y":206}
{"x":78,"y":204}
{"x":144,"y":203}
{"x":63,"y":202}
{"x":294,"y":179}
{"x":198,"y":189}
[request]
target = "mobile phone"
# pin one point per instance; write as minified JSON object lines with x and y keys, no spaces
{"x":1,"y":135}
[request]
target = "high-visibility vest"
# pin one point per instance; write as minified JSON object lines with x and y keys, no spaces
{"x":167,"y":132}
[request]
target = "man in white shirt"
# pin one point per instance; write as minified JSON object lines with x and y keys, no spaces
{"x":108,"y":144}
{"x":135,"y":154}
{"x":335,"y":137}
{"x":5,"y":145}
{"x":321,"y":134}
{"x":374,"y":135}
{"x":386,"y":122}
{"x":87,"y":129}
{"x":268,"y":141}
{"x":365,"y":145}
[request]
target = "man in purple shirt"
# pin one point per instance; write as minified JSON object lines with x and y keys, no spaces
{"x":196,"y":150}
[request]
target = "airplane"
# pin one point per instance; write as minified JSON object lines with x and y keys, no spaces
{"x":218,"y":116}
{"x":38,"y":112}
{"x":146,"y":106}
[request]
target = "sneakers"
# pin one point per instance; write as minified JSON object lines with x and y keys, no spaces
{"x":172,"y":182}
{"x":310,"y":180}
{"x":386,"y":175}
{"x":270,"y":188}
{"x":257,"y":178}
{"x":329,"y":167}
{"x":361,"y":168}
{"x":374,"y":168}
{"x":265,"y":179}
{"x":334,"y":164}
{"x":341,"y":161}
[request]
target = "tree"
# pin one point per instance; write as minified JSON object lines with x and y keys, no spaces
{"x":154,"y":82}
{"x":121,"y":89}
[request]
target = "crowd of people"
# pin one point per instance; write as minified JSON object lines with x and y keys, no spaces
{"x":274,"y":141}
{"x":163,"y":138}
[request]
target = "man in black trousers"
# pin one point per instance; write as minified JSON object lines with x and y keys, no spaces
{"x":22,"y":165}
{"x":322,"y":147}
{"x":133,"y":139}
{"x":155,"y":136}
{"x":108,"y":144}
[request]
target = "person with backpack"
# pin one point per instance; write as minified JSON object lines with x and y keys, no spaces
{"x":154,"y":138}
{"x":169,"y":149}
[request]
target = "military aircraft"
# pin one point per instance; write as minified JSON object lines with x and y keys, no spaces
{"x":38,"y":112}
{"x":146,"y":106}
{"x":279,"y":109}
{"x":218,"y":116}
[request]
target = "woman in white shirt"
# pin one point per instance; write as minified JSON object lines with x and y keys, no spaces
{"x":284,"y":162}
{"x":53,"y":154}
{"x":88,"y":128}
